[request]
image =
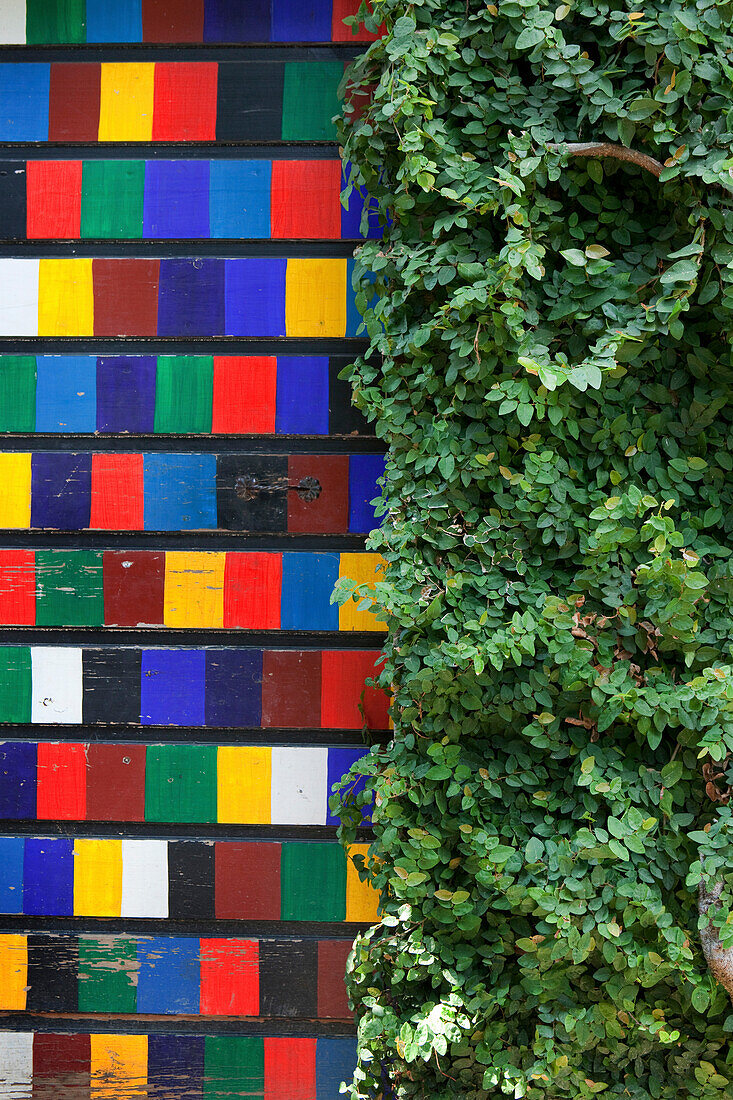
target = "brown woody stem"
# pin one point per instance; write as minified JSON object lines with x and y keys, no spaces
{"x":606,"y":149}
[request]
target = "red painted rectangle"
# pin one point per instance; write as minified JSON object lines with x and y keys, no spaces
{"x":290,"y":1068}
{"x":230,"y":978}
{"x":332,"y":1001}
{"x":344,"y":673}
{"x":304,"y":199}
{"x":62,"y":782}
{"x":117,"y":493}
{"x":134,"y":587}
{"x":247,"y":881}
{"x":328,"y":514}
{"x":252,"y":583}
{"x":173,"y":21}
{"x":125,"y":297}
{"x":340,"y":32}
{"x":73,"y":108}
{"x":53,"y":198}
{"x":185,"y":101}
{"x":245,"y":392}
{"x":116,"y":783}
{"x":17,"y":588}
{"x":291,"y":688}
{"x":64,"y":1058}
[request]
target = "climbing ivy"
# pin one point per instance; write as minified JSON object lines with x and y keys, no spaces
{"x":550,"y":366}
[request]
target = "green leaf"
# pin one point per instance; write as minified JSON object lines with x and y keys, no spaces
{"x":529,"y":37}
{"x":574,"y":256}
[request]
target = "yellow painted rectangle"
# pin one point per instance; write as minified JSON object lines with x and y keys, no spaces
{"x":97,"y":878}
{"x":65,"y":298}
{"x":13,"y":972}
{"x":361,"y":899}
{"x":15,"y":490}
{"x":194,"y":589}
{"x":361,"y":569}
{"x":315,"y":298}
{"x":119,"y":1066}
{"x":244,"y":779}
{"x":126,"y":101}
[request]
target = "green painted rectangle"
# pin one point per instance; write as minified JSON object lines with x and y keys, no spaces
{"x":18,"y":393}
{"x":112,"y":194}
{"x":69,"y":588}
{"x":312,"y":882}
{"x":234,"y":1065}
{"x":180,"y":783}
{"x":108,"y":974}
{"x":15,"y":684}
{"x":310,"y":100}
{"x":183,"y":395}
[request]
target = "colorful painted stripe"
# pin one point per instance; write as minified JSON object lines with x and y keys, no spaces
{"x":174,"y":975}
{"x":168,"y":491}
{"x":197,"y":784}
{"x":182,"y":589}
{"x":58,"y":22}
{"x":212,"y":688}
{"x":174,"y":199}
{"x":179,"y":395}
{"x":183,"y":879}
{"x":263,"y":298}
{"x":174,"y":1066}
{"x":162,"y":101}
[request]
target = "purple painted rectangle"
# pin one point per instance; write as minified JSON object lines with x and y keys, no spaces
{"x":363,"y":473}
{"x":233,"y":687}
{"x":172,"y":687}
{"x":126,"y":393}
{"x":339,"y":762}
{"x":246,"y":21}
{"x":17,"y":780}
{"x":61,"y":490}
{"x":191,"y":298}
{"x":255,"y":297}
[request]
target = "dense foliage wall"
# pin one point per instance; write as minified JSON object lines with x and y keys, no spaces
{"x":551,"y":366}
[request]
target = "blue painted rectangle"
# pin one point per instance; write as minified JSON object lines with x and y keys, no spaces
{"x":48,"y":873}
{"x":363,"y":473}
{"x":354,"y":319}
{"x":172,"y":687}
{"x":24,"y":95}
{"x":176,"y":201}
{"x":118,"y":21}
{"x":11,"y":874}
{"x":17,"y":780}
{"x":191,"y":298}
{"x":168,"y":978}
{"x":126,"y":393}
{"x":66,"y":398}
{"x":335,"y":1062}
{"x":255,"y":297}
{"x":302,"y":396}
{"x":339,"y":762}
{"x":301,"y":21}
{"x":180,"y":492}
{"x":61,"y":490}
{"x":234,"y":687}
{"x":239,"y":198}
{"x":307,"y":584}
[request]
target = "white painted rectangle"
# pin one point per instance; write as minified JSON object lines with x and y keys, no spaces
{"x":299,"y":786}
{"x":16,"y":1065}
{"x":57,"y":684}
{"x":19,"y":297}
{"x":12,"y":22}
{"x":144,"y":878}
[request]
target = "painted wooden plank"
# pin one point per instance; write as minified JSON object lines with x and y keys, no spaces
{"x":169,"y":101}
{"x":174,"y":975}
{"x":177,"y":199}
{"x":246,"y":590}
{"x":243,"y":880}
{"x":171,"y":1064}
{"x":188,"y":783}
{"x":244,"y":395}
{"x":62,"y":22}
{"x":245,"y":688}
{"x":188,"y":297}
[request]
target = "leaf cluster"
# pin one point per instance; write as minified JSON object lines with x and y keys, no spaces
{"x":550,"y":365}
